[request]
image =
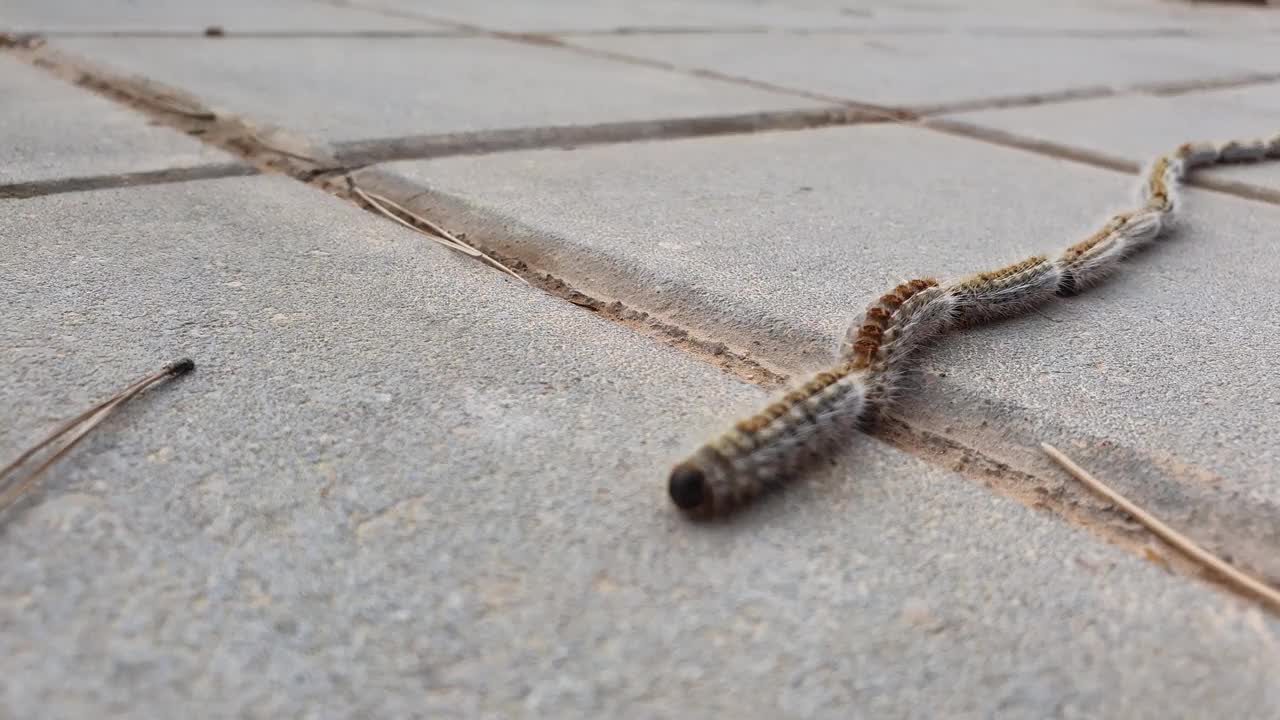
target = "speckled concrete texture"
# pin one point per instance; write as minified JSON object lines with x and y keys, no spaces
{"x":943,"y":68}
{"x":52,"y":130}
{"x":193,"y":17}
{"x":623,"y":15}
{"x":400,"y":484}
{"x":411,"y":86}
{"x":1091,"y":17}
{"x":1140,"y":127}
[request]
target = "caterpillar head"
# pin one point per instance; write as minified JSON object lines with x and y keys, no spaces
{"x":693,"y":482}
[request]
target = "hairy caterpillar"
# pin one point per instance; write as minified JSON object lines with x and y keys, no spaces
{"x":764,"y":451}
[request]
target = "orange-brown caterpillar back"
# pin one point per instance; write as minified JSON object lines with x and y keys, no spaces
{"x":866,"y":343}
{"x":1157,"y":188}
{"x":782,"y":406}
{"x":1074,"y":252}
{"x":984,"y":279}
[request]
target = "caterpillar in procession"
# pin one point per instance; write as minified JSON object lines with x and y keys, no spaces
{"x":764,"y":451}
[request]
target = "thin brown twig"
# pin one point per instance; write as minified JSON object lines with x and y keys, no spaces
{"x":445,"y":238}
{"x":376,"y":205}
{"x":63,"y":429}
{"x":10,"y":493}
{"x":430,"y":225}
{"x":1240,"y":580}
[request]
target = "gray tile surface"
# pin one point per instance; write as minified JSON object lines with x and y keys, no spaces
{"x":193,"y":16}
{"x":773,"y":243}
{"x":608,"y":15}
{"x":1255,"y":97}
{"x":929,"y":70}
{"x":1069,"y":18}
{"x":401,"y":485}
{"x":53,"y":130}
{"x":391,"y":87}
{"x":1138,"y":128}
{"x":1074,"y":17}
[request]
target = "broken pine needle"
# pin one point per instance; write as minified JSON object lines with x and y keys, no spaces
{"x":13,"y":487}
{"x":1234,"y":577}
{"x":442,"y":236}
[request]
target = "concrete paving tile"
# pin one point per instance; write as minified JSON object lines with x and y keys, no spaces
{"x":401,"y":485}
{"x":1256,"y":97}
{"x":606,"y":15}
{"x":819,"y":15}
{"x":52,"y":130}
{"x":405,"y":86}
{"x":194,"y":16}
{"x":1259,"y":51}
{"x":928,"y":70}
{"x":1140,"y":127}
{"x":1003,"y":18}
{"x":773,"y":243}
{"x":1202,"y":16}
{"x":1082,"y":17}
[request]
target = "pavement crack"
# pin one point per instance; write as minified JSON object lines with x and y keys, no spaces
{"x":1042,"y":486}
{"x":316,"y":167}
{"x":1048,"y":148}
{"x":267,"y":150}
{"x":37,"y":188}
{"x":734,"y":362}
{"x":422,"y":147}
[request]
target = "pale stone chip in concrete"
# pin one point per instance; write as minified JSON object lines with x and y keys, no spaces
{"x":53,"y":130}
{"x":399,"y":484}
{"x":411,"y":86}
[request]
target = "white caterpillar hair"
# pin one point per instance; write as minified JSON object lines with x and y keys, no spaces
{"x":765,"y":450}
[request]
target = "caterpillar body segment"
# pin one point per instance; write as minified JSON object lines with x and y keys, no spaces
{"x":763,"y":451}
{"x":1006,"y":292}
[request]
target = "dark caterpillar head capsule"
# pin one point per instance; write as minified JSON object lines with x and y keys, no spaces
{"x":688,"y":487}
